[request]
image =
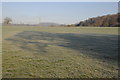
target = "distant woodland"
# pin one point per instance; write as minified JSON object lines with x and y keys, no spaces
{"x":102,"y":21}
{"x":112,"y":20}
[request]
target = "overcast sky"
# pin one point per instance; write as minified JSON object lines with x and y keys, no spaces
{"x":57,"y":12}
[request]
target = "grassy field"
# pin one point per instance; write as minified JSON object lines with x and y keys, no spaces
{"x":0,"y":52}
{"x":59,"y":52}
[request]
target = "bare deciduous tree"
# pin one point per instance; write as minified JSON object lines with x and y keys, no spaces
{"x":7,"y":20}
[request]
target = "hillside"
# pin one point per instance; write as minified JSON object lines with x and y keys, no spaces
{"x":101,"y":21}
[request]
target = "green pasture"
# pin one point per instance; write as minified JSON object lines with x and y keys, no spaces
{"x":59,"y":52}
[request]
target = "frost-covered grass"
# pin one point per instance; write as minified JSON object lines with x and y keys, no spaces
{"x":59,"y":52}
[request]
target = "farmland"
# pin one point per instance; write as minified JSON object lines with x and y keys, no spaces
{"x":59,"y":52}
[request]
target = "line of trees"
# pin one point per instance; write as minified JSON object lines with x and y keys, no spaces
{"x":102,"y":21}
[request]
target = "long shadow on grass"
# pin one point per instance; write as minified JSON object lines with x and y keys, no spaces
{"x":97,"y":46}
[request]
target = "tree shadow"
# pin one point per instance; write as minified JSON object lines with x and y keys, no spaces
{"x":103,"y":47}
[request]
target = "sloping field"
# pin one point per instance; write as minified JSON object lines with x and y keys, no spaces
{"x":59,"y":52}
